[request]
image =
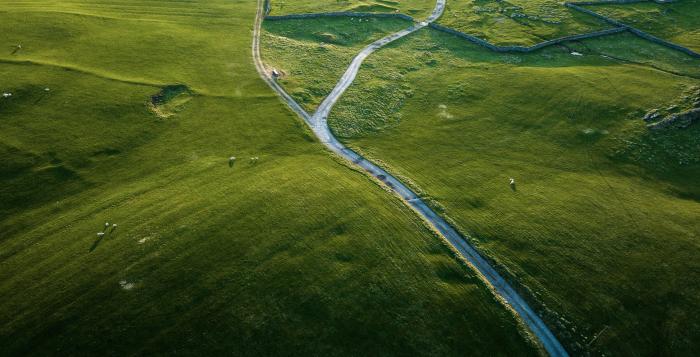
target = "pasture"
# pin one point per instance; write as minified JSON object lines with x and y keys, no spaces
{"x":311,"y":54}
{"x":416,"y":8}
{"x":678,"y":22}
{"x":517,"y":22}
{"x":127,"y":112}
{"x":602,"y":224}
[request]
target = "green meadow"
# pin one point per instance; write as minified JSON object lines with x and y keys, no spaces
{"x":517,"y":22}
{"x":602,"y":226}
{"x":678,"y":22}
{"x":415,"y":8}
{"x":312,"y":54}
{"x":129,"y":112}
{"x":637,"y":51}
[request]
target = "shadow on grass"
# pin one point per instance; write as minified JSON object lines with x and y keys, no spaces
{"x":96,"y":243}
{"x":40,"y":98}
{"x":100,"y":238}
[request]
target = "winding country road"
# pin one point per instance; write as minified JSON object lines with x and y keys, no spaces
{"x":319,"y":125}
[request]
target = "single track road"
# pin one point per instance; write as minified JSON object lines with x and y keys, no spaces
{"x":319,"y":124}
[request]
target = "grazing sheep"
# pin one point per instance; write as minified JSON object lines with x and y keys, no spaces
{"x":114,"y":226}
{"x":47,"y":89}
{"x":106,"y":224}
{"x":512,"y":181}
{"x":6,"y":95}
{"x":100,"y":234}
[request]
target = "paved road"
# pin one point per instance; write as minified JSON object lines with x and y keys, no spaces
{"x":318,"y":123}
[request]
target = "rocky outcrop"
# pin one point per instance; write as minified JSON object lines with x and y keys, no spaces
{"x":679,"y":121}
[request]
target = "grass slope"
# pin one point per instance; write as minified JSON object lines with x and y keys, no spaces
{"x":517,"y":22}
{"x":678,"y":22}
{"x":639,"y":51}
{"x":416,"y":8}
{"x":312,"y":54}
{"x":603,"y":226}
{"x":292,"y":253}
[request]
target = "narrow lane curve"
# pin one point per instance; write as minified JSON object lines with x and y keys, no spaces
{"x":319,"y":124}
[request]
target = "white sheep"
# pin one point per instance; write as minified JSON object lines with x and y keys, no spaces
{"x":512,"y":181}
{"x":106,"y":224}
{"x":114,"y":225}
{"x":6,"y":95}
{"x":100,"y":234}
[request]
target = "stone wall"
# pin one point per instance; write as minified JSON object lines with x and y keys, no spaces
{"x":578,"y":37}
{"x":463,"y":35}
{"x":521,"y":49}
{"x":619,"y":26}
{"x":577,"y":6}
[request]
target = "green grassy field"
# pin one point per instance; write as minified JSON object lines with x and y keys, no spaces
{"x":638,"y":51}
{"x":294,"y":254}
{"x":416,"y":8}
{"x":312,"y":54}
{"x":603,"y":225}
{"x":517,"y":22}
{"x":678,"y":22}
